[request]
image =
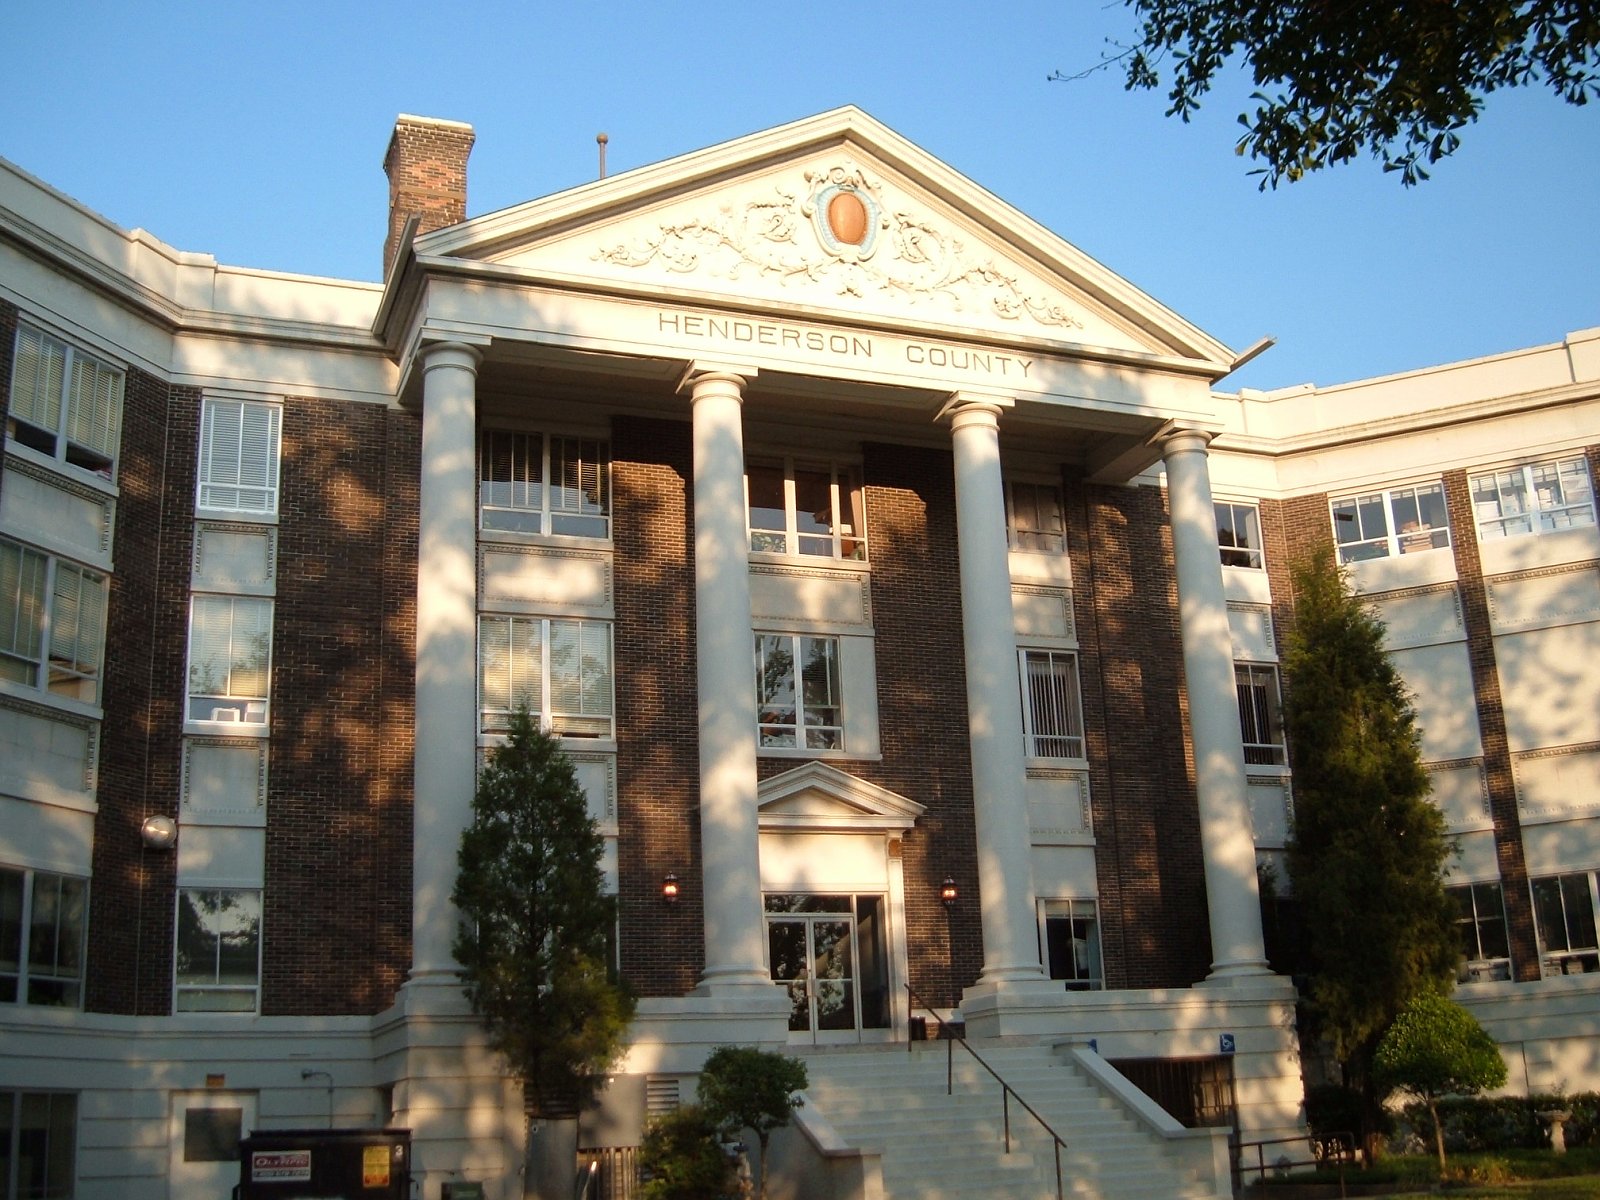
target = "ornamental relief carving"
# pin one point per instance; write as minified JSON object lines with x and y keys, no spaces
{"x":838,"y":230}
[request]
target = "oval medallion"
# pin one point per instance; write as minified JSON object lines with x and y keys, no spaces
{"x":847,"y":218}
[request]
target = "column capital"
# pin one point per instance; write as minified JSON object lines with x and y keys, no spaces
{"x":983,"y":406}
{"x":704,"y":370}
{"x":452,"y":353}
{"x":1175,"y":439}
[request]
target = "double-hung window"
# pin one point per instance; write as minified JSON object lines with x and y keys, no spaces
{"x":560,"y":669}
{"x":806,"y":508}
{"x":544,"y":484}
{"x":218,"y":953}
{"x":1034,"y":518}
{"x":1398,"y":521}
{"x":1481,"y":922}
{"x":43,"y":919}
{"x":64,"y":403}
{"x":1260,"y":714}
{"x":230,"y":659}
{"x":52,"y":622}
{"x":1072,"y":943}
{"x":1239,"y":534}
{"x":1052,"y":708}
{"x":1564,"y":918}
{"x":1541,"y":497}
{"x":798,"y":692}
{"x":38,"y":1139}
{"x":239,"y":446}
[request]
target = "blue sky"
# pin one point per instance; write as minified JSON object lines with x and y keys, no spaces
{"x":256,"y":133}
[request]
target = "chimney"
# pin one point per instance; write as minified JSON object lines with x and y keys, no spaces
{"x":427,"y":168}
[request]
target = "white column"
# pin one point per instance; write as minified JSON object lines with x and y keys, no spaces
{"x":1226,"y":842}
{"x":729,"y":829}
{"x":447,"y":618}
{"x":994,"y":708}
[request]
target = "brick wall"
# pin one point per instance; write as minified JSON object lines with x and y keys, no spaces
{"x":658,"y":814}
{"x":132,"y":894}
{"x":332,"y":926}
{"x":427,"y":167}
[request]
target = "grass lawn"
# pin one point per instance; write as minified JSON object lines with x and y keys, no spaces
{"x":1579,"y":1187}
{"x":1503,"y":1175}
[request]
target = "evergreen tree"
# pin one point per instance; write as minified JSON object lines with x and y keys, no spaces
{"x":1368,"y":851}
{"x":536,"y":922}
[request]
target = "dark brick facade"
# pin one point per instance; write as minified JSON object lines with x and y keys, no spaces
{"x":336,"y":917}
{"x":132,"y":895}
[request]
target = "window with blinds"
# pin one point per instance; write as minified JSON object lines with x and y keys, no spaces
{"x":560,"y":669}
{"x":52,"y":623}
{"x":64,"y":403}
{"x":1260,"y":714}
{"x":239,"y":446}
{"x":1052,"y":710}
{"x":544,"y":484}
{"x":230,"y":659}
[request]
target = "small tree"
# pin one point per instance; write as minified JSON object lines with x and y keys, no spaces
{"x":1368,"y":850}
{"x":745,"y":1088}
{"x":1437,"y":1048}
{"x":682,"y":1158}
{"x":533,"y":943}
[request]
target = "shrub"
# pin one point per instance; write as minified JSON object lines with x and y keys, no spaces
{"x":682,"y":1158}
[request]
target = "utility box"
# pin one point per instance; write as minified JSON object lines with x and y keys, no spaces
{"x":325,"y":1164}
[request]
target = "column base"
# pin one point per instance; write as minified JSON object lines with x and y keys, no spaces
{"x":1027,"y":1006}
{"x":1230,"y":974}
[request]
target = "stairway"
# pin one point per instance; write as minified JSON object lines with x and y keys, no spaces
{"x":951,"y":1147}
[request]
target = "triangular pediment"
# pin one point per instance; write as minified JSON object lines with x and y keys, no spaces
{"x":819,"y":797}
{"x":831,"y":218}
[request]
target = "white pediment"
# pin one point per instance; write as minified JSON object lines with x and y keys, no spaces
{"x":822,"y":798}
{"x":835,"y":217}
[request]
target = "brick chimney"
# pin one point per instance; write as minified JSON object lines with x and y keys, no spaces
{"x":427,"y":168}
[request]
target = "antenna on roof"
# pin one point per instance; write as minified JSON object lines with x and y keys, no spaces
{"x":602,"y":139}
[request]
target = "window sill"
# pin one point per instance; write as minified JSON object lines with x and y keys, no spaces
{"x":809,"y":561}
{"x":233,"y":516}
{"x":566,"y":541}
{"x":1035,"y":763}
{"x":796,"y":752}
{"x":1268,"y":771}
{"x":62,"y":704}
{"x":82,"y":475}
{"x":232,"y":729}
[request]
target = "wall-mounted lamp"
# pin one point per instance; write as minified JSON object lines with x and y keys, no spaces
{"x":159,"y":833}
{"x":669,"y":888}
{"x":948,"y":893}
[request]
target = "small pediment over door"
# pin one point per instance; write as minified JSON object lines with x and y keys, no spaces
{"x":822,"y":799}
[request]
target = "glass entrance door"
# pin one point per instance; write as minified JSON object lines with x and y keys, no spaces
{"x":813,"y":958}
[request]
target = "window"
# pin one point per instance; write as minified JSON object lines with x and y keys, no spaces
{"x":218,"y":959}
{"x":806,"y":508}
{"x":38,"y":1140}
{"x":1072,"y":943}
{"x":230,"y":659}
{"x":1563,"y":916}
{"x":1481,"y":921}
{"x":798,"y":692}
{"x":43,"y":918}
{"x":52,"y":623}
{"x":1398,"y":521}
{"x":1034,"y":518}
{"x":1239,"y":534}
{"x":1538,"y":498}
{"x":64,"y":403}
{"x":560,"y":669}
{"x":1052,"y":713}
{"x":1260,"y":715}
{"x":514,"y":468}
{"x":239,"y":456}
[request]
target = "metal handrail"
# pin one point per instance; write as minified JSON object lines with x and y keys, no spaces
{"x":1345,"y":1153}
{"x":949,"y":1037}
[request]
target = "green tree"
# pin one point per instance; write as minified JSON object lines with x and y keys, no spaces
{"x":742,"y":1087}
{"x":682,"y":1157}
{"x":536,"y":929}
{"x":1337,"y":79}
{"x":1437,"y":1048}
{"x":1368,"y":850}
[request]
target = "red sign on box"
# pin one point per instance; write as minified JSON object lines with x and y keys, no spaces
{"x":288,"y":1166}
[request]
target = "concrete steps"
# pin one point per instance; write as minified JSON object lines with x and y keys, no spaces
{"x":936,"y":1146}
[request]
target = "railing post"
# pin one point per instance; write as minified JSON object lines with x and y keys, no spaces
{"x":1059,"y":1193}
{"x":949,"y":1067}
{"x":1005,"y":1112}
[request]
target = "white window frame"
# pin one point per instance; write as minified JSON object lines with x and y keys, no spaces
{"x":13,"y":1101}
{"x":1273,"y":750}
{"x":1023,"y":518}
{"x":844,"y":540}
{"x":191,"y":995}
{"x":800,"y":733}
{"x":580,"y":506}
{"x":1040,"y":711}
{"x":528,"y":644}
{"x":237,"y":711}
{"x":1482,"y":904}
{"x":1573,"y":889}
{"x":1389,"y":522}
{"x":52,"y":623}
{"x":1545,"y":505}
{"x":1249,"y":555}
{"x":28,"y":895}
{"x":1073,"y":910}
{"x":86,"y":397}
{"x":241,"y":442}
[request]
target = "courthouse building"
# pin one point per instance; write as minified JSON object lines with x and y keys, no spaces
{"x":906,"y":594}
